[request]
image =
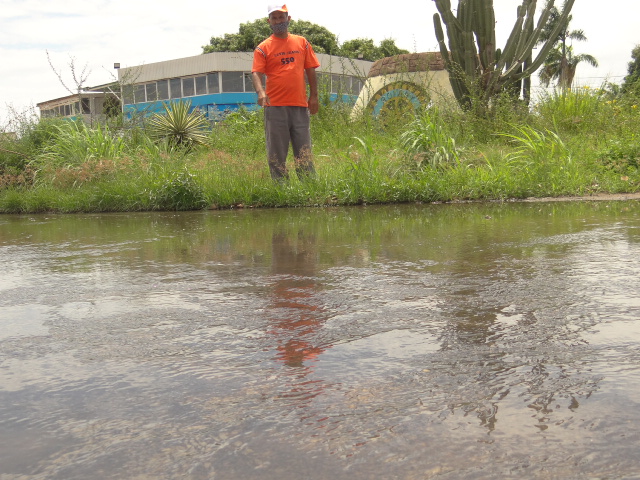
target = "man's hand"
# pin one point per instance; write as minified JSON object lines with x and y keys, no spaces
{"x":263,"y":99}
{"x":313,"y":105}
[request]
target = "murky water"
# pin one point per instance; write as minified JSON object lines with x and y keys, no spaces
{"x":396,"y":342}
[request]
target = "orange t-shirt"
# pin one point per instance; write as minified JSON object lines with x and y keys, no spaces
{"x":283,"y":61}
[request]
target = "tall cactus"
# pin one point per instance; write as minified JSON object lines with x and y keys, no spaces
{"x":472,"y":59}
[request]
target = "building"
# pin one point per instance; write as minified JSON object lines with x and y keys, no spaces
{"x":219,"y":82}
{"x":405,"y":83}
{"x":92,"y":105}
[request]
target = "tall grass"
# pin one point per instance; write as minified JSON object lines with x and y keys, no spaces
{"x":569,"y":143}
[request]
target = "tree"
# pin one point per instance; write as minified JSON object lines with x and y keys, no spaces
{"x":388,"y":48}
{"x":359,"y":48}
{"x":631,"y":82}
{"x":250,"y":34}
{"x":79,"y":78}
{"x":366,"y":49}
{"x":561,"y":63}
{"x":478,"y":71}
{"x":323,"y":40}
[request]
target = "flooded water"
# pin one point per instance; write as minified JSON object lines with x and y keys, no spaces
{"x":396,"y":342}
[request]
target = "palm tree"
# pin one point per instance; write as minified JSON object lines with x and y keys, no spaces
{"x":561,"y":63}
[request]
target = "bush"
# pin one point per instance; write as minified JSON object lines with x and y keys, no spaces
{"x":76,"y":143}
{"x":621,"y":155}
{"x":427,"y":141}
{"x":178,"y":191}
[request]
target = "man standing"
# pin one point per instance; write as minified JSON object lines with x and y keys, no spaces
{"x":284,"y":59}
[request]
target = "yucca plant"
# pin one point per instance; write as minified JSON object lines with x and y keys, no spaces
{"x":178,"y":126}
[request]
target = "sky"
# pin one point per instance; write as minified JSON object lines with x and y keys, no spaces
{"x":38,"y":37}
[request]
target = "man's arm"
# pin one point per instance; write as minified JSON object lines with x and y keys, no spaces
{"x":313,"y":90}
{"x":257,"y":78}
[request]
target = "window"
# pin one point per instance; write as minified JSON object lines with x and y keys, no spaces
{"x":188,"y":89}
{"x":212,"y":83}
{"x":201,"y":85}
{"x":127,"y":93}
{"x":324,"y":81}
{"x":163,"y":89}
{"x":86,"y":108}
{"x":138,"y":94}
{"x":66,"y":110}
{"x":356,"y":86}
{"x":152,"y":92}
{"x":232,"y":81}
{"x":339,"y":84}
{"x":248,"y":82}
{"x":175,"y":88}
{"x":76,"y":108}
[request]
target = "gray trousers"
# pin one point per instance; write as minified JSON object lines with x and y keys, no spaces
{"x":284,"y":125}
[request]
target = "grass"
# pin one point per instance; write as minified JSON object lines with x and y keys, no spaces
{"x":577,"y":142}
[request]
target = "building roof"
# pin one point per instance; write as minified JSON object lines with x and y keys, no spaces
{"x":228,"y":61}
{"x":65,"y":99}
{"x":409,"y":62}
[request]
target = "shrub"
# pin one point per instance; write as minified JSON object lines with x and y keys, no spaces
{"x":427,"y":141}
{"x":621,"y":155}
{"x":178,"y":190}
{"x":74,"y":143}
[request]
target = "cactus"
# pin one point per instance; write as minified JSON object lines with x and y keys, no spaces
{"x":472,"y":59}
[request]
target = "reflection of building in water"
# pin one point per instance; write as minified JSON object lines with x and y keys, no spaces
{"x":295,"y":309}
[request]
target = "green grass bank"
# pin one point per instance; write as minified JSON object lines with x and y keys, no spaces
{"x":575,"y":143}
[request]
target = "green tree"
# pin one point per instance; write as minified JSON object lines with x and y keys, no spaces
{"x":359,"y":48}
{"x":366,"y":49}
{"x":631,"y":82}
{"x":250,"y":34}
{"x":561,"y":63}
{"x":388,"y":48}
{"x":323,"y":40}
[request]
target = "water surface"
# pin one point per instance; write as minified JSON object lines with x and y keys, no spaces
{"x":396,"y":342}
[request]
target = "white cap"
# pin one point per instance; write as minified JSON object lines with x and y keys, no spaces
{"x":276,"y":8}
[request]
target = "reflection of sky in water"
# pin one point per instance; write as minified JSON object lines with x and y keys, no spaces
{"x":127,"y":304}
{"x":371,"y":355}
{"x":616,"y":334}
{"x":23,"y":320}
{"x":10,"y":280}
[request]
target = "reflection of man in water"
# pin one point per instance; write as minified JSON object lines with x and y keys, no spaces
{"x":298,"y":314}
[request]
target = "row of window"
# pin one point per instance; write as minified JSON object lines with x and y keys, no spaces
{"x":75,"y":108}
{"x":217,"y":82}
{"x":109,"y":105}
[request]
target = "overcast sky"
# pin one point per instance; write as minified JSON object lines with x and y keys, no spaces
{"x":96,"y":34}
